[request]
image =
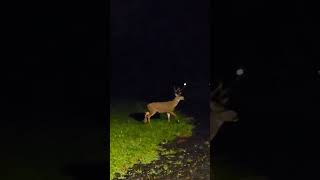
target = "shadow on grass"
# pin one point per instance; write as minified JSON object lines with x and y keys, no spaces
{"x":94,"y":170}
{"x":140,"y":116}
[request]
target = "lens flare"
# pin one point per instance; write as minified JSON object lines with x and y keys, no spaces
{"x":240,"y":72}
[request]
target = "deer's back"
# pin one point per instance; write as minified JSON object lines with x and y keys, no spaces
{"x":161,"y":107}
{"x":220,"y":113}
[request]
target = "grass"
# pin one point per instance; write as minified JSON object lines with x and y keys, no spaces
{"x":132,"y":141}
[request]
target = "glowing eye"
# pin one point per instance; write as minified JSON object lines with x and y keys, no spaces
{"x":185,"y":84}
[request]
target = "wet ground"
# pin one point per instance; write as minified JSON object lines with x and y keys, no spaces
{"x":184,"y":158}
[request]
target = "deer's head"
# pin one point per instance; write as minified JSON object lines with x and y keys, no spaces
{"x":218,"y":104}
{"x":178,"y":93}
{"x":219,"y":113}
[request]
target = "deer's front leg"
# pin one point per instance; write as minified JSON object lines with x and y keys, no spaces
{"x":168,"y":115}
{"x":175,"y":116}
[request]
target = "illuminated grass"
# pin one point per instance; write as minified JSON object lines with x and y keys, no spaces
{"x":132,"y":141}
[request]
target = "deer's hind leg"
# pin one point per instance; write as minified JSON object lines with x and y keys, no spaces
{"x":149,"y":115}
{"x":146,"y":114}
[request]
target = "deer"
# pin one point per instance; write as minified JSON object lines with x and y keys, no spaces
{"x":167,"y":107}
{"x":218,"y":111}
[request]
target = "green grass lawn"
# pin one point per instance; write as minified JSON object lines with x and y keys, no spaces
{"x":132,"y":141}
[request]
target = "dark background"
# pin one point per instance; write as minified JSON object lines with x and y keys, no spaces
{"x":55,"y":79}
{"x":278,"y":100}
{"x":155,"y":45}
{"x":57,"y":54}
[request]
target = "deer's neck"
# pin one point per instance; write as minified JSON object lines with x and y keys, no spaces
{"x":175,"y":101}
{"x":217,"y":107}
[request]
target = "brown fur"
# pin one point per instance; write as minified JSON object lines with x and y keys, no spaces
{"x":163,"y":107}
{"x":219,"y":114}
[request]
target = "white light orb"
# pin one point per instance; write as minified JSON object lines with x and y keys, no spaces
{"x":184,"y":84}
{"x":239,"y":71}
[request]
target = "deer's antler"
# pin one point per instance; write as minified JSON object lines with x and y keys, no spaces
{"x":177,"y":90}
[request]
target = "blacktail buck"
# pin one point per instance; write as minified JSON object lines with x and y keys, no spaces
{"x":218,"y":112}
{"x":167,"y":107}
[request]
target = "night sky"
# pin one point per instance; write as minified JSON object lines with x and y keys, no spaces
{"x":155,"y":45}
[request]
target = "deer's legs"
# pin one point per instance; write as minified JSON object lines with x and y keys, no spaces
{"x":149,"y":115}
{"x":168,"y":114}
{"x":175,"y":116}
{"x":146,"y":114}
